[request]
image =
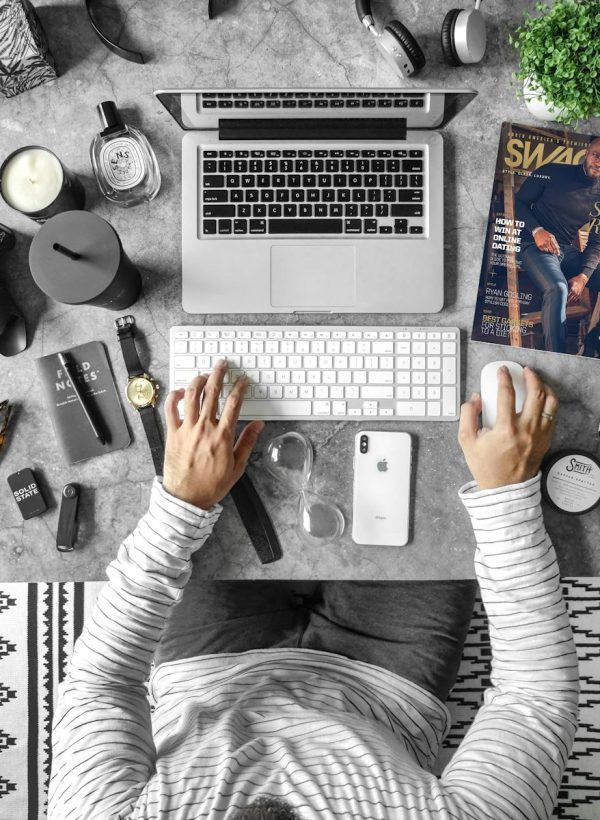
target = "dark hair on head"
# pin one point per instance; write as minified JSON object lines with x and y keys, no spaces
{"x":267,"y":808}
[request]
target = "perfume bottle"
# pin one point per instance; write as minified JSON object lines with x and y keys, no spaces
{"x":123,"y":161}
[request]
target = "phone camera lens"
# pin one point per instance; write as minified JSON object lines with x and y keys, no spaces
{"x":364,"y":444}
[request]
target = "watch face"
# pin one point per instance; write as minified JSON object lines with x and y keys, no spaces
{"x":140,"y":391}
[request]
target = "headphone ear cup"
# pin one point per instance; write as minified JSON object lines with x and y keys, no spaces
{"x":408,"y":43}
{"x":448,"y":47}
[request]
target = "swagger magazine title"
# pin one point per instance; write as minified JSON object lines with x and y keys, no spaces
{"x":540,"y":272}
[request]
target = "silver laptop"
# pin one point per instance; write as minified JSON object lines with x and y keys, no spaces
{"x":303,"y":200}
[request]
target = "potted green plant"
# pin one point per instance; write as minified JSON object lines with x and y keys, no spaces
{"x":560,"y":60}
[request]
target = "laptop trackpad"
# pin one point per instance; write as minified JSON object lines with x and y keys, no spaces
{"x":313,"y":276}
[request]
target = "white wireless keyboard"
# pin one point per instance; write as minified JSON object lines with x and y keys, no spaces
{"x":333,"y":372}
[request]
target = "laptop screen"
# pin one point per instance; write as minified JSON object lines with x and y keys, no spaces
{"x":196,"y":109}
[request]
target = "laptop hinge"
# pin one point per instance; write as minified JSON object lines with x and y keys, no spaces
{"x":313,"y":129}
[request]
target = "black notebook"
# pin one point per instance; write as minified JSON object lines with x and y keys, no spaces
{"x":71,"y":426}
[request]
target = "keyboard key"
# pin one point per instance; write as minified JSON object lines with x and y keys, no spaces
{"x":184,"y":377}
{"x":409,"y":195}
{"x":264,"y":409}
{"x":185,"y":361}
{"x":322,"y":408}
{"x":218,"y":210}
{"x":382,"y":392}
{"x":213,"y":181}
{"x":449,"y":370}
{"x":406,"y":210}
{"x":308,"y":226}
{"x":410,"y":408}
{"x":449,"y":401}
{"x":215,"y":195}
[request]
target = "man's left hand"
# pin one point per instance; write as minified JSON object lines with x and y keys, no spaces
{"x":576,"y":287}
{"x":203,"y":460}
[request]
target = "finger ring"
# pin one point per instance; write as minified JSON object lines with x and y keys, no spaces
{"x":548,"y":416}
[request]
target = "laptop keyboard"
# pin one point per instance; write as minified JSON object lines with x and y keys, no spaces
{"x":248,"y":192}
{"x":336,"y":372}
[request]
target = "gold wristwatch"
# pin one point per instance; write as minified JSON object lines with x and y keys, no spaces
{"x":141,"y":390}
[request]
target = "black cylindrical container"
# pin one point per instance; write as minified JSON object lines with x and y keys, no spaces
{"x":69,"y":193}
{"x":77,"y":259}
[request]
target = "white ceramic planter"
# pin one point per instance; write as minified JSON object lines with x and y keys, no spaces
{"x":537,"y":105}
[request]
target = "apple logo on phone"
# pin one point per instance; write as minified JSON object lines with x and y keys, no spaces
{"x":382,"y":465}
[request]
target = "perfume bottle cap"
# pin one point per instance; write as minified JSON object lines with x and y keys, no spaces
{"x":109,"y":115}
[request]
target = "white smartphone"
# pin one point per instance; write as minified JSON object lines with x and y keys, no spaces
{"x":381,"y":497}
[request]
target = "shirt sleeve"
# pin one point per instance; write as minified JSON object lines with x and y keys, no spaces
{"x":511,"y":762}
{"x":529,"y":192}
{"x":590,"y":258}
{"x":103,"y":751}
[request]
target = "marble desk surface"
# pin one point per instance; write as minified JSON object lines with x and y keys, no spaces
{"x":263,"y":43}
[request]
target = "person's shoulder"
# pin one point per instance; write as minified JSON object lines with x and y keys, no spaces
{"x":559,"y":170}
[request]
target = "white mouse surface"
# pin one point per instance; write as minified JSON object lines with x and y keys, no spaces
{"x":489,"y":389}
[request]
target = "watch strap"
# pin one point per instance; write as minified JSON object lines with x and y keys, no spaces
{"x":130,"y":354}
{"x":153,"y":434}
{"x":256,"y":519}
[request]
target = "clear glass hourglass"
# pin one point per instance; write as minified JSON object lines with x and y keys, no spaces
{"x":289,"y":458}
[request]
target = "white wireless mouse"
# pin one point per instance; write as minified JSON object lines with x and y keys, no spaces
{"x":489,"y":390}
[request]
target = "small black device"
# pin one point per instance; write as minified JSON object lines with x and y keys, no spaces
{"x":67,"y":519}
{"x":463,"y":39}
{"x":27,"y":493}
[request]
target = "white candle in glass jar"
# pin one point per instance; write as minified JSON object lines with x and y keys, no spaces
{"x":31,"y":180}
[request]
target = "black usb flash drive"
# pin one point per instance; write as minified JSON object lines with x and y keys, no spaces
{"x":27,"y":493}
{"x":67,"y":519}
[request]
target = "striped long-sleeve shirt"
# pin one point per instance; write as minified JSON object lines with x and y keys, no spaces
{"x":335,"y":738}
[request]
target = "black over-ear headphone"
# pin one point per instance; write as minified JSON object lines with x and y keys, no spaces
{"x":463,"y":39}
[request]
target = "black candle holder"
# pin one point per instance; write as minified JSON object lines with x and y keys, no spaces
{"x":77,"y":258}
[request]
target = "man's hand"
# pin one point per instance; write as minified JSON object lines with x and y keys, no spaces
{"x":576,"y":287}
{"x":512,"y":451}
{"x":202,"y":459}
{"x":546,"y":241}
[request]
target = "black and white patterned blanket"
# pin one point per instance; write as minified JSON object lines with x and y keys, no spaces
{"x":39,"y":623}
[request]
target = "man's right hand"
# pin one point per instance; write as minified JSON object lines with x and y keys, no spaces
{"x":512,"y":451}
{"x":546,"y":241}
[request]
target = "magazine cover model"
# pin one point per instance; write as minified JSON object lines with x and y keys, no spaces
{"x":540,"y":273}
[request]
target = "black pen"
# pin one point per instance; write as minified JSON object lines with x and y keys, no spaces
{"x":65,"y":361}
